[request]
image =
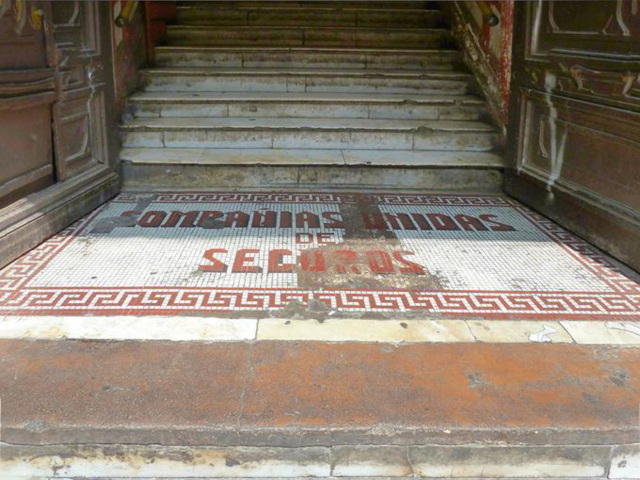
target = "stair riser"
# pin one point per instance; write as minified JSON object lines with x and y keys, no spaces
{"x":199,"y":176}
{"x":301,"y":83}
{"x":318,"y":18}
{"x":333,"y":60}
{"x":309,"y":110}
{"x":310,"y":37}
{"x":316,"y":139}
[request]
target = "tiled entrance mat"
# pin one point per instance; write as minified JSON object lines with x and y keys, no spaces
{"x":343,"y":254}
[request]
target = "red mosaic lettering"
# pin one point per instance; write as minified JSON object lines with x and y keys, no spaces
{"x":286,"y":219}
{"x":267,"y":219}
{"x":334,"y":220}
{"x":317,"y":264}
{"x":346,"y":258}
{"x":188,"y":219}
{"x":276,"y":264}
{"x":152,"y":219}
{"x":374,"y":221}
{"x":379,"y":261}
{"x":303,"y":238}
{"x":325,"y":238}
{"x":405,"y":220}
{"x":237,"y":219}
{"x":496,"y":226}
{"x":442,"y":221}
{"x":307,"y":219}
{"x":243,"y":257}
{"x":208,"y":218}
{"x":216,"y":265}
{"x":422,"y":222}
{"x":409,"y":266}
{"x":470,"y":223}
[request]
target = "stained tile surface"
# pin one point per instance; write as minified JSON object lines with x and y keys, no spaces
{"x":473,"y":256}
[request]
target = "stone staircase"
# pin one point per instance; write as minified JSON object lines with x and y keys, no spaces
{"x":309,"y":93}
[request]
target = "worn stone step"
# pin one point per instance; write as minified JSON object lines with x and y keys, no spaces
{"x":240,"y":5}
{"x":305,"y":80}
{"x":85,"y":409}
{"x":196,"y":168}
{"x":354,"y":462}
{"x":311,"y":105}
{"x":308,"y":36}
{"x":304,"y":57}
{"x":322,"y":133}
{"x":310,"y":16}
{"x":310,"y":157}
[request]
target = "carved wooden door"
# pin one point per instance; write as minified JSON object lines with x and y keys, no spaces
{"x":27,"y":92}
{"x":79,"y":126}
{"x":575,"y":124}
{"x":57,"y":137}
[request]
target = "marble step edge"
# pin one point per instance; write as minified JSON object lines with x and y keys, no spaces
{"x":266,"y":16}
{"x":241,"y":5}
{"x":364,"y":6}
{"x":303,"y":49}
{"x":82,"y":461}
{"x":305,"y":125}
{"x":402,"y":59}
{"x":277,"y":98}
{"x":311,"y":157}
{"x":274,"y":29}
{"x":300,"y":72}
{"x":310,"y":8}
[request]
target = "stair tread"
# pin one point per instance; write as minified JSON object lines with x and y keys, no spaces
{"x":235,"y":6}
{"x":287,"y":97}
{"x":310,"y":157}
{"x":209,"y":71}
{"x":267,"y":49}
{"x":252,"y":28}
{"x":268,"y":123}
{"x":309,"y":8}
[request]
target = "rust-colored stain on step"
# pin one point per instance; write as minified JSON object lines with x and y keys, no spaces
{"x":313,"y":393}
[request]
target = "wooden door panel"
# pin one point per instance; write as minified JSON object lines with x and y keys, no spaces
{"x":27,"y":92}
{"x":79,"y":126}
{"x":590,"y":28}
{"x":21,"y":45}
{"x":26,"y":162}
{"x":575,"y":125}
{"x":582,"y":146}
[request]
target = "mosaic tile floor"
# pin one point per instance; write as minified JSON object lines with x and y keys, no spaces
{"x":347,"y":255}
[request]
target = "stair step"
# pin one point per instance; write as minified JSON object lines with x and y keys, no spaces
{"x":309,"y":36}
{"x":311,"y":105}
{"x":310,"y":157}
{"x":300,"y":410}
{"x":294,"y":133}
{"x":327,"y":58}
{"x":240,"y":5}
{"x":310,"y":16}
{"x":219,"y":167}
{"x":305,"y":80}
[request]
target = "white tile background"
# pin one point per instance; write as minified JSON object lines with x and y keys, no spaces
{"x":523,"y":260}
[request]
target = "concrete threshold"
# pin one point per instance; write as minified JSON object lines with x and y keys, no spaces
{"x":279,"y":409}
